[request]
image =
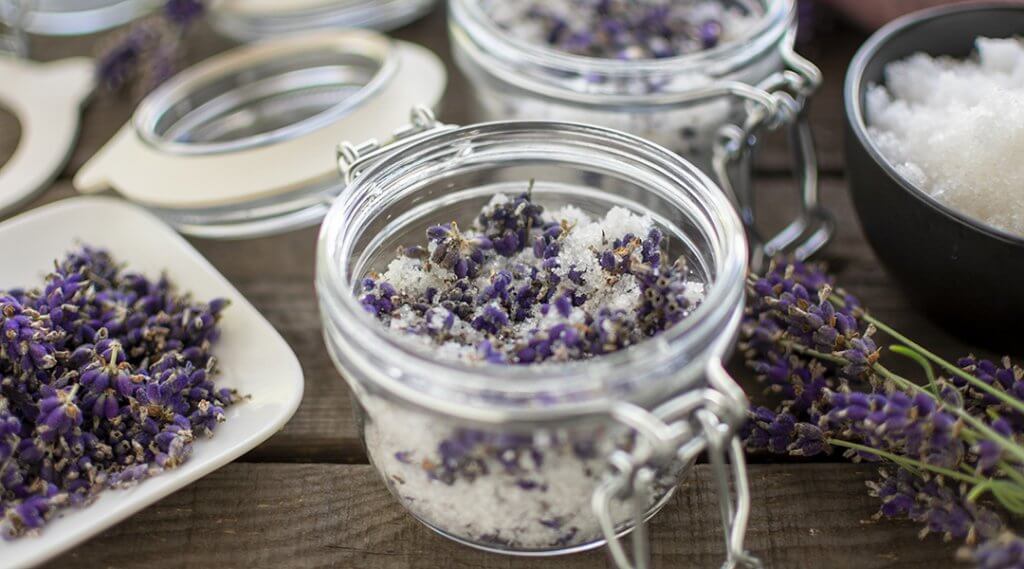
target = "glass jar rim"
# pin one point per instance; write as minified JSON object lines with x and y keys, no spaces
{"x":365,"y":51}
{"x":482,"y":29}
{"x":587,"y":379}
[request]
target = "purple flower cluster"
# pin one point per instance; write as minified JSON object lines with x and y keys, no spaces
{"x":105,"y":379}
{"x":810,"y":345}
{"x":628,"y":29}
{"x":504,"y":284}
{"x":941,"y":508}
{"x":913,"y":426}
{"x":147,"y":53}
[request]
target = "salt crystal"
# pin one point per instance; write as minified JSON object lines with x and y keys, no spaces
{"x":955,"y":129}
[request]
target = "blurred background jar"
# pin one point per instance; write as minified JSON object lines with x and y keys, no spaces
{"x":711,"y":105}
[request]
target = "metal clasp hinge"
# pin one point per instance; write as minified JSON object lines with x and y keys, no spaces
{"x":354,"y":158}
{"x":694,"y":422}
{"x":789,"y":92}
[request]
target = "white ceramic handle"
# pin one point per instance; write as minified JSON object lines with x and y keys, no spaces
{"x":47,"y":98}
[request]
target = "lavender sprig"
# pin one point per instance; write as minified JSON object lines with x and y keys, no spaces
{"x":955,"y":441}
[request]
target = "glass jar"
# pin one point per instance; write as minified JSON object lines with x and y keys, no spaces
{"x":555,"y":458}
{"x":710,"y":106}
{"x":252,"y":20}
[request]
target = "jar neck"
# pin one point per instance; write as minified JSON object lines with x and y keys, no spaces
{"x":502,"y":52}
{"x":376,"y":357}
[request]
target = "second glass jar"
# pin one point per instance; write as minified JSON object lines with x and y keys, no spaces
{"x":709,"y":106}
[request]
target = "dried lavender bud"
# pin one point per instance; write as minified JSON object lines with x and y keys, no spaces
{"x":105,"y":376}
{"x":1003,"y":552}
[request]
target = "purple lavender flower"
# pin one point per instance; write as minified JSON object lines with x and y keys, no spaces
{"x":1003,"y":552}
{"x":815,"y":352}
{"x":106,"y":376}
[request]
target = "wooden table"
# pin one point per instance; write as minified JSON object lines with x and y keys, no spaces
{"x":307,"y":498}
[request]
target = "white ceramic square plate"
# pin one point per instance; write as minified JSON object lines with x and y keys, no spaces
{"x":253,"y":357}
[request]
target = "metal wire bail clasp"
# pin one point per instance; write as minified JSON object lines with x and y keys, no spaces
{"x":354,"y":158}
{"x":732,"y":160}
{"x":677,"y":432}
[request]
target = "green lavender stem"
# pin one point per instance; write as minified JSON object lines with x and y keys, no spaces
{"x":978,"y":430}
{"x":1002,"y":396}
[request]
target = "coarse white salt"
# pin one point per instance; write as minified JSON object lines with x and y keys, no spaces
{"x":955,"y":129}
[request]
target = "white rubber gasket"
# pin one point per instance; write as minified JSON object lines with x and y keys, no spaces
{"x":160,"y":178}
{"x":47,"y":98}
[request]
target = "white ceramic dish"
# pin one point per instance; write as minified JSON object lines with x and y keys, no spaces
{"x":253,"y":357}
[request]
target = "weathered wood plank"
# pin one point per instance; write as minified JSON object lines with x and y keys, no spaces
{"x":284,"y":516}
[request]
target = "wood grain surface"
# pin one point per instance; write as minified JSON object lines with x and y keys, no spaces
{"x":268,"y":511}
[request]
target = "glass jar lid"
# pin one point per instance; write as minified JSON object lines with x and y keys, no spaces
{"x":250,"y":20}
{"x":240,"y":145}
{"x":262,"y":100}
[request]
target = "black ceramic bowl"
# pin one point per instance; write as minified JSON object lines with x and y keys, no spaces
{"x":965,"y":274}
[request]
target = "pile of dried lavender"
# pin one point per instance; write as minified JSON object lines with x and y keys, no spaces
{"x":525,"y":286}
{"x":626,"y":29}
{"x":949,"y":447}
{"x":105,"y":379}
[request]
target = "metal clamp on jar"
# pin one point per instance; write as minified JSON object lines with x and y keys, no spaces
{"x":606,"y":440}
{"x":710,"y":106}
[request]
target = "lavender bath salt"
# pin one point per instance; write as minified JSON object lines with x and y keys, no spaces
{"x":520,"y":286}
{"x":527,"y":286}
{"x":955,"y":129}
